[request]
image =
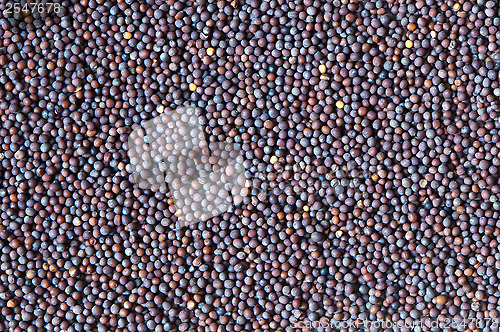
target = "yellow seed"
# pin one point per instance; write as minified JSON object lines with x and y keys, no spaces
{"x":324,"y":77}
{"x":306,"y":208}
{"x":457,"y":6}
{"x":409,"y":44}
{"x":423,"y":183}
{"x":77,"y":221}
{"x":322,"y":69}
{"x":160,"y":109}
{"x":433,"y":34}
{"x":30,"y":274}
{"x":274,"y":160}
{"x":192,"y":86}
{"x":210,"y":51}
{"x":73,"y":271}
{"x":339,"y":104}
{"x":127,"y":35}
{"x":339,"y":233}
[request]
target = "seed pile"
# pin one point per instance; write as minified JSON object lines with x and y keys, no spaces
{"x":370,"y":129}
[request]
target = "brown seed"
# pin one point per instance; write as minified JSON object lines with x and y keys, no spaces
{"x":441,"y":299}
{"x":197,"y":262}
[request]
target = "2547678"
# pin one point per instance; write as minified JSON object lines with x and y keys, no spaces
{"x":33,"y":7}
